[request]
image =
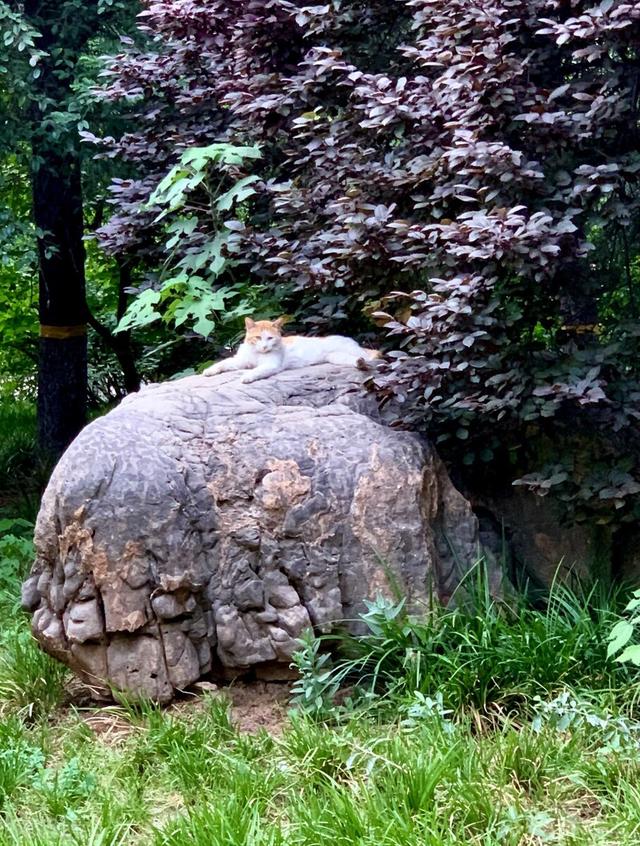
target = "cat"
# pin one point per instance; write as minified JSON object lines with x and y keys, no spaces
{"x":265,"y":352}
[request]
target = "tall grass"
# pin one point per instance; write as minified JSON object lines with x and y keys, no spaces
{"x":396,"y":787}
{"x":361,"y":783}
{"x":30,"y":680}
{"x":23,"y":469}
{"x":483,"y":651}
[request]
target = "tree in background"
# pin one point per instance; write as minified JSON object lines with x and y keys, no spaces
{"x":466,"y":173}
{"x":18,"y":283}
{"x":42,"y":108}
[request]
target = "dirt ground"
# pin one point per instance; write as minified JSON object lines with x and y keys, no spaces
{"x":259,"y":704}
{"x":255,"y":705}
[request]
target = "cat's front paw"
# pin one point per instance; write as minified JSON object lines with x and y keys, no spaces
{"x":212,"y":371}
{"x":248,"y":378}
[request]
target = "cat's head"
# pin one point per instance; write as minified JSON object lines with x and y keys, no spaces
{"x":263,"y":335}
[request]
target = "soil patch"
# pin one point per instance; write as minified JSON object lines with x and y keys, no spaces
{"x":259,"y":705}
{"x":255,"y":705}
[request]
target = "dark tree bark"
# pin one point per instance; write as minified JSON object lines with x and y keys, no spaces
{"x":120,"y":343}
{"x":57,"y":213}
{"x":62,"y":376}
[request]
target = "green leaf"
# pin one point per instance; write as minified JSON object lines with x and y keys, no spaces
{"x":180,"y":227}
{"x":174,"y":282}
{"x":198,"y":308}
{"x":141,"y":312}
{"x":619,"y":636}
{"x":631,"y":654}
{"x":204,"y":326}
{"x":158,"y":195}
{"x":240,"y":191}
{"x":211,"y":254}
{"x":635,"y":602}
{"x":198,"y":157}
{"x":11,"y":522}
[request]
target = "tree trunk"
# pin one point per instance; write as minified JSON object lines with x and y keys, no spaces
{"x":62,"y":378}
{"x":57,"y":214}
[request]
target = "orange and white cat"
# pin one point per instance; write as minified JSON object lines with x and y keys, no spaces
{"x":265,"y":351}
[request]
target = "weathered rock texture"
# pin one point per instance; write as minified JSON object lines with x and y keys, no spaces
{"x":204,"y":524}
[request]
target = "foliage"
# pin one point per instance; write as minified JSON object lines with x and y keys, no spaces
{"x":18,"y":278}
{"x":30,"y":681}
{"x":186,"y":292}
{"x":566,"y":712}
{"x":484,"y":651}
{"x":64,"y":788}
{"x":24,"y":470}
{"x":448,"y":167}
{"x":623,"y":631}
{"x":20,"y":760}
{"x":316,"y":686}
{"x":17,"y":441}
{"x":19,"y":64}
{"x":48,"y":68}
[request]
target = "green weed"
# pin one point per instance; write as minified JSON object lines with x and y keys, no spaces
{"x":484,"y":652}
{"x":230,"y":822}
{"x":30,"y":680}
{"x":487,"y":724}
{"x":20,"y":760}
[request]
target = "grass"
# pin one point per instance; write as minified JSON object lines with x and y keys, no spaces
{"x":31,"y":683}
{"x":194,"y":781}
{"x":493,"y":723}
{"x":483,"y":652}
{"x":23,"y":470}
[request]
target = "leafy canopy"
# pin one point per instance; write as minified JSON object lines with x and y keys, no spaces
{"x":465,"y":173}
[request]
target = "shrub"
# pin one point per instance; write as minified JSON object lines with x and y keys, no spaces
{"x":624,"y":631}
{"x":482,"y":653}
{"x":449,"y":166}
{"x":23,"y":468}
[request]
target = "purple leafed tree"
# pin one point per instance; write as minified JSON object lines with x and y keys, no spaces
{"x":464,"y":172}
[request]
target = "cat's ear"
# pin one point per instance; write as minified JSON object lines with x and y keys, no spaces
{"x":279,"y":323}
{"x":249,"y":323}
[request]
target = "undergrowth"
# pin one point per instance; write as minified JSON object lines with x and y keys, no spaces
{"x":481,"y":651}
{"x":31,"y":682}
{"x":493,"y":724}
{"x":23,"y":468}
{"x":193,"y":780}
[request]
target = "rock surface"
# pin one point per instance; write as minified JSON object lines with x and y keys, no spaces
{"x":204,"y":524}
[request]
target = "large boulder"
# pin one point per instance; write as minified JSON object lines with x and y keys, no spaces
{"x":204,"y":524}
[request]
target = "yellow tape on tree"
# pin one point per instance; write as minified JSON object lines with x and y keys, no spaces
{"x":61,"y":333}
{"x":582,"y":328}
